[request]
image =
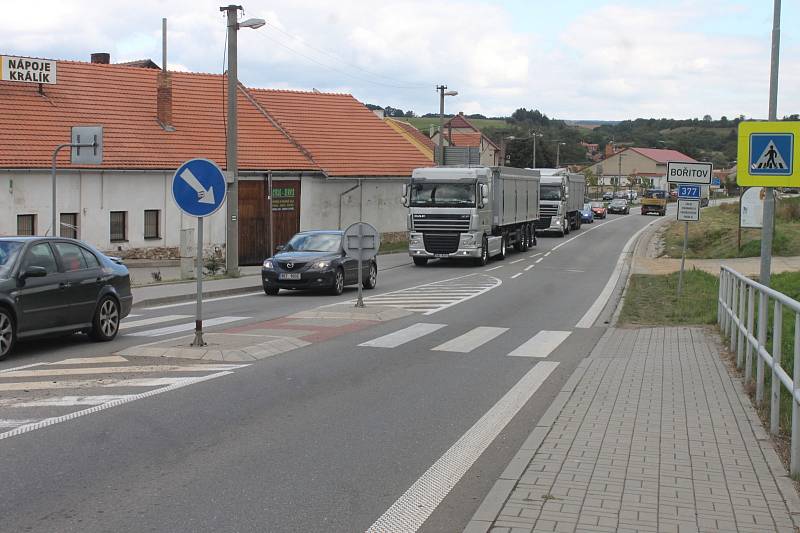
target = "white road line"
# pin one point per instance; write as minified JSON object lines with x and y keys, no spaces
{"x":542,"y":344}
{"x":594,"y":311}
{"x":218,"y":299}
{"x":548,"y":253}
{"x":494,"y":268}
{"x":529,"y":267}
{"x":94,"y":409}
{"x":7,"y":423}
{"x":88,"y":360}
{"x":132,"y":315}
{"x":517,"y":261}
{"x":132,"y":369}
{"x":470,"y":340}
{"x":64,"y":401}
{"x":411,"y":510}
{"x":534,"y":255}
{"x":402,"y":336}
{"x":152,"y":320}
{"x":573,"y":270}
{"x":516,"y":275}
{"x":186,"y":327}
{"x":539,"y":260}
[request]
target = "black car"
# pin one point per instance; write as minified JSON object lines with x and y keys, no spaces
{"x":315,"y":260}
{"x":619,"y":205}
{"x":608,"y":195}
{"x":51,"y":285}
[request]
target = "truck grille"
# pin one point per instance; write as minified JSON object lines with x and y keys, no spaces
{"x":548,"y":210}
{"x":441,"y":222}
{"x":441,"y":243}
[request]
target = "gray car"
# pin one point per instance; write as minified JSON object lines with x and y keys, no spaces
{"x":51,"y":285}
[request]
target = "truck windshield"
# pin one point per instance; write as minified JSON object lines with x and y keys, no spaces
{"x":656,"y":194}
{"x":550,"y":192}
{"x":443,"y":194}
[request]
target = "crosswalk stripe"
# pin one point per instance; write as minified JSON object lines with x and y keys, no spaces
{"x":87,"y":383}
{"x":64,"y":401}
{"x":542,"y":344}
{"x":89,"y":360}
{"x":402,"y":336}
{"x":470,"y":340}
{"x":186,"y":327}
{"x":152,"y":320}
{"x":49,"y":372}
{"x":8,"y":423}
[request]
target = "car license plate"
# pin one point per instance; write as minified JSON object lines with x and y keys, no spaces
{"x":289,"y":276}
{"x":441,"y":255}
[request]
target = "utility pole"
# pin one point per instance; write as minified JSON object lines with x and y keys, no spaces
{"x":769,"y":201}
{"x":620,"y":155}
{"x":231,"y":153}
{"x":442,"y":93}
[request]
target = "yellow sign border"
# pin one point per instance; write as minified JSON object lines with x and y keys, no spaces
{"x":743,"y":176}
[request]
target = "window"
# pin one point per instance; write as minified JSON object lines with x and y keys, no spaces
{"x":119,"y":226}
{"x":91,"y":259}
{"x":26,"y":225}
{"x":42,"y":256}
{"x":69,"y":225}
{"x":151,"y":219}
{"x":71,"y":256}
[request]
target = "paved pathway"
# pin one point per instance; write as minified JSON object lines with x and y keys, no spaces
{"x":650,"y":434}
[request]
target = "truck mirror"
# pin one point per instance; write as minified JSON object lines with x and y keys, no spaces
{"x":405,"y":195}
{"x":484,"y":194}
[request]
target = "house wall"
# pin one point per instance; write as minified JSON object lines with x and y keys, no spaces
{"x":383,"y":207}
{"x":93,"y":195}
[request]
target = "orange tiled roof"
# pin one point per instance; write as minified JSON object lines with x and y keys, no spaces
{"x":123,"y":100}
{"x":466,"y":139}
{"x":459,"y":121}
{"x":414,"y":136}
{"x":341,"y":135}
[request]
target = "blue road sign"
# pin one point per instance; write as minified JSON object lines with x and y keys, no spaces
{"x":688,"y":191}
{"x":715,"y":182}
{"x":771,"y":154}
{"x":198,"y":187}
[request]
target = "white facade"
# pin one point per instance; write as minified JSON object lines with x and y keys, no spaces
{"x":93,"y":195}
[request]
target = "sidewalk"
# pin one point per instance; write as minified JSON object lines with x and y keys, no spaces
{"x":163,"y":293}
{"x":649,"y":434}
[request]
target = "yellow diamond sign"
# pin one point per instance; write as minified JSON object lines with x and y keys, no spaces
{"x":768,"y":154}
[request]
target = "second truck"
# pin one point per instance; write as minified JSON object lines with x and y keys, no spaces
{"x":562,"y":196}
{"x":470,"y":212}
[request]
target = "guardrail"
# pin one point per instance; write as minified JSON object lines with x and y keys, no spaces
{"x":736,"y":315}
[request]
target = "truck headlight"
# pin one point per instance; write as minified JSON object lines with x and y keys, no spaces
{"x":415,"y":240}
{"x":558,"y":222}
{"x":467,"y":238}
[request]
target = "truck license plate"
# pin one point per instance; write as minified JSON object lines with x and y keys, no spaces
{"x":289,"y":276}
{"x":441,"y":255}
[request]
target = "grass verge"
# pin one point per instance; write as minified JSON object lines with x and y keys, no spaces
{"x":393,"y":247}
{"x":653,"y":300}
{"x":714,"y":237}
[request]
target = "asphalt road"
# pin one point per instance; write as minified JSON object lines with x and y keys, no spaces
{"x":328,"y":437}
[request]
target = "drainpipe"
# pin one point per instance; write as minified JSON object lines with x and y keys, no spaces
{"x":341,"y":195}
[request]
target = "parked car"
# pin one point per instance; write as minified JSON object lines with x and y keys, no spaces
{"x":599,"y":210}
{"x":315,"y":260}
{"x":586,"y":213}
{"x":52,"y":285}
{"x":619,"y":205}
{"x":608,"y":195}
{"x":621,"y":194}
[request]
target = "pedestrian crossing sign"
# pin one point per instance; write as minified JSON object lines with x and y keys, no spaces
{"x":766,"y":154}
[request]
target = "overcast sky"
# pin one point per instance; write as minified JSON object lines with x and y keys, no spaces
{"x":571,"y":59}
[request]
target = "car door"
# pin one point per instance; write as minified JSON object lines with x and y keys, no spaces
{"x":82,"y":280}
{"x":42,"y":303}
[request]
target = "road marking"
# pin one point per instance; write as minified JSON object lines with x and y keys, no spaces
{"x":48,"y":372}
{"x":529,"y":267}
{"x":8,"y":423}
{"x":573,"y":270}
{"x":152,"y":320}
{"x":539,"y":260}
{"x":536,"y":254}
{"x":186,"y":327}
{"x":96,"y":408}
{"x":88,"y":360}
{"x":470,"y":340}
{"x":402,"y":336}
{"x":494,"y":268}
{"x":548,"y":253}
{"x":410,"y":511}
{"x":516,"y":275}
{"x":205,"y":301}
{"x":517,"y":261}
{"x":64,"y":401}
{"x":132,"y":315}
{"x":541,"y":345}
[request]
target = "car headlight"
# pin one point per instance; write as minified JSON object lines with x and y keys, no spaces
{"x":267,"y":263}
{"x":320,"y":264}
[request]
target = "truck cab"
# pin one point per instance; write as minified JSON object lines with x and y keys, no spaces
{"x":654,"y":201}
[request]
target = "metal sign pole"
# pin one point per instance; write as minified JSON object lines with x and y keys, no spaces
{"x":683,"y":257}
{"x":360,"y":302}
{"x":198,"y":323}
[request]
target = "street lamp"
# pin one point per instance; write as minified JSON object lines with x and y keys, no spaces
{"x":442,"y":93}
{"x":559,"y":144}
{"x":534,"y":135}
{"x":232,"y":159}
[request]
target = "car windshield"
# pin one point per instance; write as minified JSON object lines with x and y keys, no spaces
{"x":314,"y":242}
{"x":619,"y":201}
{"x":597,"y":204}
{"x":8,"y":253}
{"x":550,"y":192}
{"x":656,"y":194}
{"x":587,"y":206}
{"x":442,"y":194}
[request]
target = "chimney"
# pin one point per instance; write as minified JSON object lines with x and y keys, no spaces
{"x":164,"y":100}
{"x":101,"y":58}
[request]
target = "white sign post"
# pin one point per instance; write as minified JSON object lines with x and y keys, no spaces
{"x":361,"y":241}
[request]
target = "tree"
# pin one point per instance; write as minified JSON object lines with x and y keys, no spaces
{"x":590,"y":176}
{"x":707,"y":118}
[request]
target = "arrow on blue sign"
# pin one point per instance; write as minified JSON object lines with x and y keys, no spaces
{"x":198,"y":187}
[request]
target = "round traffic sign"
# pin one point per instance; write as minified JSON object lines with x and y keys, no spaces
{"x":198,"y":187}
{"x":367,"y":235}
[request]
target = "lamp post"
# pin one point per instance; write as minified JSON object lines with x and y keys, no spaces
{"x":558,"y":151}
{"x":442,"y":93}
{"x":534,"y":135}
{"x":232,"y":157}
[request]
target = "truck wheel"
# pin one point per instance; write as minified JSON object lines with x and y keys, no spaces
{"x":522,"y":239}
{"x":502,"y":254}
{"x":533,"y":235}
{"x":420,"y":261}
{"x":484,"y":258}
{"x":565,"y":226}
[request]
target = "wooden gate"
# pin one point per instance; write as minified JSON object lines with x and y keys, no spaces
{"x":254,"y":217}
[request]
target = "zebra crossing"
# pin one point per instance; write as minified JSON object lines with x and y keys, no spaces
{"x":39,"y":395}
{"x":433,"y":297}
{"x":539,"y":346}
{"x":138,"y":328}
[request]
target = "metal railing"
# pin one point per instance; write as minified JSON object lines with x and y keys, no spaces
{"x":736,"y":315}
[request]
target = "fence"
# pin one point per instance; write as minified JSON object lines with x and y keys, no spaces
{"x":736,"y":314}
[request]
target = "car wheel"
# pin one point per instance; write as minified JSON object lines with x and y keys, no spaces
{"x":338,"y":282}
{"x":420,"y":261}
{"x":484,"y":258}
{"x":105,"y":325}
{"x":271,"y":291}
{"x":8,"y":333}
{"x":372,"y":278}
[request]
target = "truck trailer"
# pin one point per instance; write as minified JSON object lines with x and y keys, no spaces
{"x":470,"y":212}
{"x":561,"y":199}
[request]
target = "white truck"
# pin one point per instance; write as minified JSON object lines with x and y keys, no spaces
{"x":561,"y":199}
{"x":470,"y":212}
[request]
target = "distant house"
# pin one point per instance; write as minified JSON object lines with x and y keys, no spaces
{"x":625,"y":167}
{"x":458,"y":131}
